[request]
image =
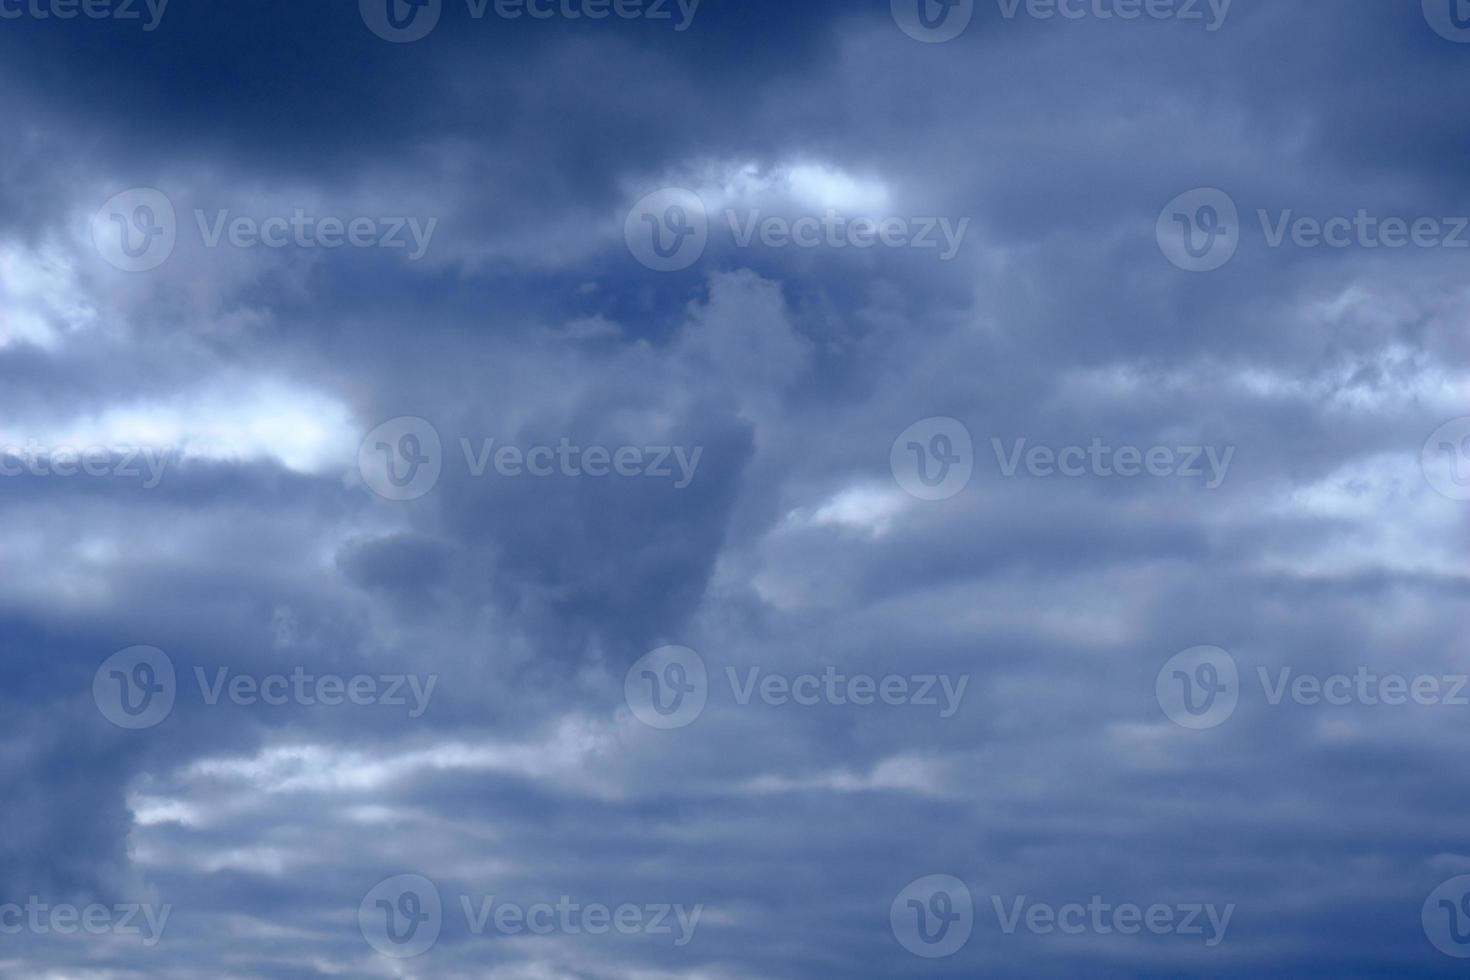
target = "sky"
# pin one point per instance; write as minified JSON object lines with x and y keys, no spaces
{"x":672,"y":490}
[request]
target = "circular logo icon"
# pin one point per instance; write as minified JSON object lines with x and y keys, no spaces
{"x":135,"y":688}
{"x":1449,"y":18}
{"x":1199,"y":230}
{"x":933,"y":917}
{"x":933,"y":459}
{"x":1446,"y":917}
{"x":668,"y":230}
{"x":668,"y":688}
{"x":401,"y":917}
{"x":401,"y":21}
{"x":136,"y":231}
{"x":401,"y":459}
{"x":1199,"y":688}
{"x":933,"y":21}
{"x":1446,"y":459}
